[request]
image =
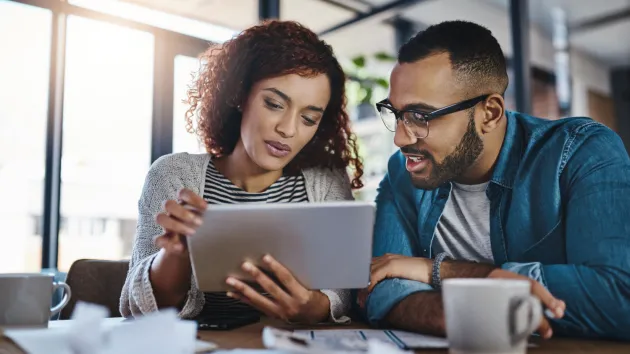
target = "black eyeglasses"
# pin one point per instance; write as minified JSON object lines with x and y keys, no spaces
{"x":417,"y":122}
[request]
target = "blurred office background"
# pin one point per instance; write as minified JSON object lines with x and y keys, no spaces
{"x":91,"y":91}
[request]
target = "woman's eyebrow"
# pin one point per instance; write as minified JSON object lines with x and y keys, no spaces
{"x":279,"y":93}
{"x":288,"y":99}
{"x":315,"y":108}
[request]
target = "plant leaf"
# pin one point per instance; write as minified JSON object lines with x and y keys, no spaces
{"x":384,"y":56}
{"x":359,"y":61}
{"x":368,"y":95}
{"x":382,"y":83}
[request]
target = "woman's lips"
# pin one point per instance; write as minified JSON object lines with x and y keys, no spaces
{"x":277,"y":149}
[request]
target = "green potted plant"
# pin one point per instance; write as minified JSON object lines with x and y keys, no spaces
{"x":362,"y":84}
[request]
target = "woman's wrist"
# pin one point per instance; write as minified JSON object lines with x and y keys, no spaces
{"x":321,"y":307}
{"x":170,"y":277}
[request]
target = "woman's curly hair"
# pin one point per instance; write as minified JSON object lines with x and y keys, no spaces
{"x":272,"y":49}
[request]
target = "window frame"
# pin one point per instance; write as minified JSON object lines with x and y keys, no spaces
{"x":168,"y":44}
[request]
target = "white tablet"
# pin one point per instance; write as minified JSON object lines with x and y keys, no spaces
{"x":325,"y":245}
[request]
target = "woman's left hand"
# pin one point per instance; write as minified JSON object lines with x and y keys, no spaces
{"x":294,"y":303}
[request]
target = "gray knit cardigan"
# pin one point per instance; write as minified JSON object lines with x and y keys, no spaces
{"x":166,"y":177}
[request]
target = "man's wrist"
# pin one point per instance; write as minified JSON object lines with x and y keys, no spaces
{"x":429,"y":270}
{"x":465,"y":269}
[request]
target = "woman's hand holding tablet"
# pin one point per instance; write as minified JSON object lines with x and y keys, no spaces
{"x":288,"y":299}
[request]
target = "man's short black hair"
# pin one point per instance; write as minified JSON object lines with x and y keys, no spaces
{"x":476,"y":56}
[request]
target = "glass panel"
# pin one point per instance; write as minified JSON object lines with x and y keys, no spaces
{"x":167,"y":21}
{"x":107,"y":138}
{"x":25,"y":34}
{"x":185,"y":71}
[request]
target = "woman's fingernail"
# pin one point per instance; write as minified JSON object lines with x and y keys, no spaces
{"x":229,"y":294}
{"x":549,"y":313}
{"x":267,"y":258}
{"x":248,"y":266}
{"x":231,"y":281}
{"x":559,"y":312}
{"x":549,"y":333}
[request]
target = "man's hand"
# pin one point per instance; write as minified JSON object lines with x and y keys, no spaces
{"x":397,"y":266}
{"x":556,"y":306}
{"x":290,"y":302}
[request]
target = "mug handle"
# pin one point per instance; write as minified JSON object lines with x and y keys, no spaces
{"x":66,"y":297}
{"x":534,"y":310}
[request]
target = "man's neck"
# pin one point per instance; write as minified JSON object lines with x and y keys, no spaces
{"x":481,"y":171}
{"x":244,"y":173}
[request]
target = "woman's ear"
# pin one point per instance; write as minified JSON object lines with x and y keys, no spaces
{"x":493,"y":111}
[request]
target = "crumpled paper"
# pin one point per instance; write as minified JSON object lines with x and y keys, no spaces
{"x":159,"y":332}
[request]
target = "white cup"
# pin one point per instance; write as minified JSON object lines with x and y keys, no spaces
{"x":26,"y":299}
{"x":489,"y":315}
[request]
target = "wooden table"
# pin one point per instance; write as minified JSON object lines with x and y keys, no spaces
{"x":249,"y":337}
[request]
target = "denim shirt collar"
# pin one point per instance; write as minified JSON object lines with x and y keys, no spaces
{"x":509,"y":159}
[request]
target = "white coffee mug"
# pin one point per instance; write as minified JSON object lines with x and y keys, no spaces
{"x":489,"y":315}
{"x":26,"y":299}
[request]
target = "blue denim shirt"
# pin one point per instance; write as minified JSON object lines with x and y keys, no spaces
{"x":559,"y":213}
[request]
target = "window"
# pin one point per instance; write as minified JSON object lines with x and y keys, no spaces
{"x":544,"y":101}
{"x":25,"y":39}
{"x":167,"y":21}
{"x":185,"y":72}
{"x":106,"y":138}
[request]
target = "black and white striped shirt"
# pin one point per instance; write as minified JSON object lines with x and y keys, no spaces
{"x":220,"y":190}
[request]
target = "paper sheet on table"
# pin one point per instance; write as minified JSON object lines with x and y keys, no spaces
{"x":107,"y":323}
{"x":89,"y":332}
{"x":403,"y":340}
{"x":250,"y":351}
{"x":54,"y":340}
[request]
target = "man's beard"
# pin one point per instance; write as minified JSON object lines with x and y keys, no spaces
{"x":455,"y":164}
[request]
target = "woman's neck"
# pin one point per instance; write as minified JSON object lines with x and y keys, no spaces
{"x":244,"y":173}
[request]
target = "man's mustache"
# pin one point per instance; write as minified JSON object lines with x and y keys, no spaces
{"x":413,"y":151}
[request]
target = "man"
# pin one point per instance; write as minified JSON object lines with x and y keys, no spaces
{"x":477,"y":191}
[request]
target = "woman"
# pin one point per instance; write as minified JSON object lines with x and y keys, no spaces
{"x":270,"y":108}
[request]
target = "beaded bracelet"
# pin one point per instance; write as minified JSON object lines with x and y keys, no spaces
{"x":436,"y":281}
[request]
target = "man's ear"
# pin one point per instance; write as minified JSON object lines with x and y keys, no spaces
{"x":493,"y":110}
